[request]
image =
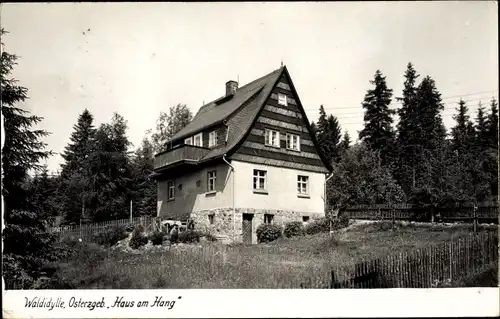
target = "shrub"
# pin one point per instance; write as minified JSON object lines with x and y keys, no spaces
{"x":268,"y":233}
{"x":188,"y":237}
{"x":317,"y":226}
{"x":157,"y":237}
{"x":110,"y":236}
{"x":138,"y":239}
{"x":293,"y":229}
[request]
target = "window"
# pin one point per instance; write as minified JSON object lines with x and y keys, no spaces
{"x":272,"y":138}
{"x":211,"y":218}
{"x":211,"y":180}
{"x":170,"y":190}
{"x":259,"y":179}
{"x":282,"y":99}
{"x":293,"y":142}
{"x":212,"y":139}
{"x":198,"y":140}
{"x":189,"y":141}
{"x":302,"y":182}
{"x":268,"y":218}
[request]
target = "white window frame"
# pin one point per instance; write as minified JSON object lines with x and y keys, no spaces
{"x":212,"y":139}
{"x":302,"y":185}
{"x":211,"y":180}
{"x":258,"y":177}
{"x":290,"y":142}
{"x":282,"y":99}
{"x":268,"y":138}
{"x":170,"y":187}
{"x":198,"y":137}
{"x":189,"y":141}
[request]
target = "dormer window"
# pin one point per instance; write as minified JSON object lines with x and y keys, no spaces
{"x":188,"y":141}
{"x":212,"y":139}
{"x":272,"y":138}
{"x":198,"y":141}
{"x":282,"y":99}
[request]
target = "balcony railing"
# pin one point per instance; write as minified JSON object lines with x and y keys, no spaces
{"x":179,"y":154}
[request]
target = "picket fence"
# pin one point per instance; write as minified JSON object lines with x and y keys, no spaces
{"x":483,"y":213}
{"x":426,"y":267}
{"x":91,"y":229}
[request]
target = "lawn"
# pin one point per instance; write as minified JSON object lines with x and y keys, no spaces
{"x":281,"y":264}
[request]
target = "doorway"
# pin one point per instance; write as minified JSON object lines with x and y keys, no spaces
{"x":247,"y":228}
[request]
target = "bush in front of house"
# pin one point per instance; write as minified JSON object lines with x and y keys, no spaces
{"x":268,"y":232}
{"x":317,"y":226}
{"x":157,"y":238}
{"x":189,"y":237}
{"x":138,"y":238}
{"x":293,"y":229}
{"x":110,"y":236}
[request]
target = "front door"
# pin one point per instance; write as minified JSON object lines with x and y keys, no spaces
{"x":247,"y":228}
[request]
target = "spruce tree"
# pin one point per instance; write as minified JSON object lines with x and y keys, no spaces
{"x":406,"y":130}
{"x":75,"y":173}
{"x":378,"y":133}
{"x":461,"y":132}
{"x":328,"y":134}
{"x":345,"y":143}
{"x":27,"y":245}
{"x":492,"y":150}
{"x":481,"y":128}
{"x":492,"y":125}
{"x":144,"y":188}
{"x":110,"y":173}
{"x":429,"y":139}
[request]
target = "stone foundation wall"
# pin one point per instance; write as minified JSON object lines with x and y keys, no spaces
{"x":223,"y":220}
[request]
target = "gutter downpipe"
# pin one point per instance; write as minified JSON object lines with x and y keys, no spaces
{"x":324,"y":199}
{"x":234,"y":194}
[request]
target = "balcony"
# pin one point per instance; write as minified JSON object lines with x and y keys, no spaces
{"x":182,"y":154}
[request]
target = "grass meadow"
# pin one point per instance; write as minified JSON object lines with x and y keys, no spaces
{"x":281,"y":264}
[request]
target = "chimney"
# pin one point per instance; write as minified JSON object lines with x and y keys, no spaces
{"x":231,"y":87}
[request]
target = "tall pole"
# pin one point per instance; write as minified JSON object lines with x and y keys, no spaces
{"x":130,"y":211}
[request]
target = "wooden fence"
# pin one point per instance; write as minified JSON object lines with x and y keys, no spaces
{"x":407,"y":212}
{"x":88,"y":230}
{"x":422,"y":268}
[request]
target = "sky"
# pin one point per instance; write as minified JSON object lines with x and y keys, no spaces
{"x":138,"y":59}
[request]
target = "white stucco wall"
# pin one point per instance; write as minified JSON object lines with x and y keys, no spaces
{"x":194,"y":196}
{"x":281,"y":188}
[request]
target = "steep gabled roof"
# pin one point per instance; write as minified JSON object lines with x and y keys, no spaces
{"x":214,"y":113}
{"x":239,"y":114}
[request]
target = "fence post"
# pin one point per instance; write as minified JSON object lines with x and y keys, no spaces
{"x":475,"y":219}
{"x":393,"y":212}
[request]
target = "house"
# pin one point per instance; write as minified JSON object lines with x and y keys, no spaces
{"x":249,"y":157}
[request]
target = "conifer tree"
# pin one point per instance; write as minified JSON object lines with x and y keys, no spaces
{"x":110,"y":173}
{"x":345,"y":143}
{"x":144,"y":188}
{"x":81,"y":145}
{"x":481,"y":128}
{"x":26,"y":243}
{"x":328,"y":134}
{"x":378,"y":133}
{"x":75,"y":174}
{"x":406,"y":132}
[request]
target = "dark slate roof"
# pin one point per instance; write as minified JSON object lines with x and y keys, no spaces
{"x":238,"y":113}
{"x":213,"y":113}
